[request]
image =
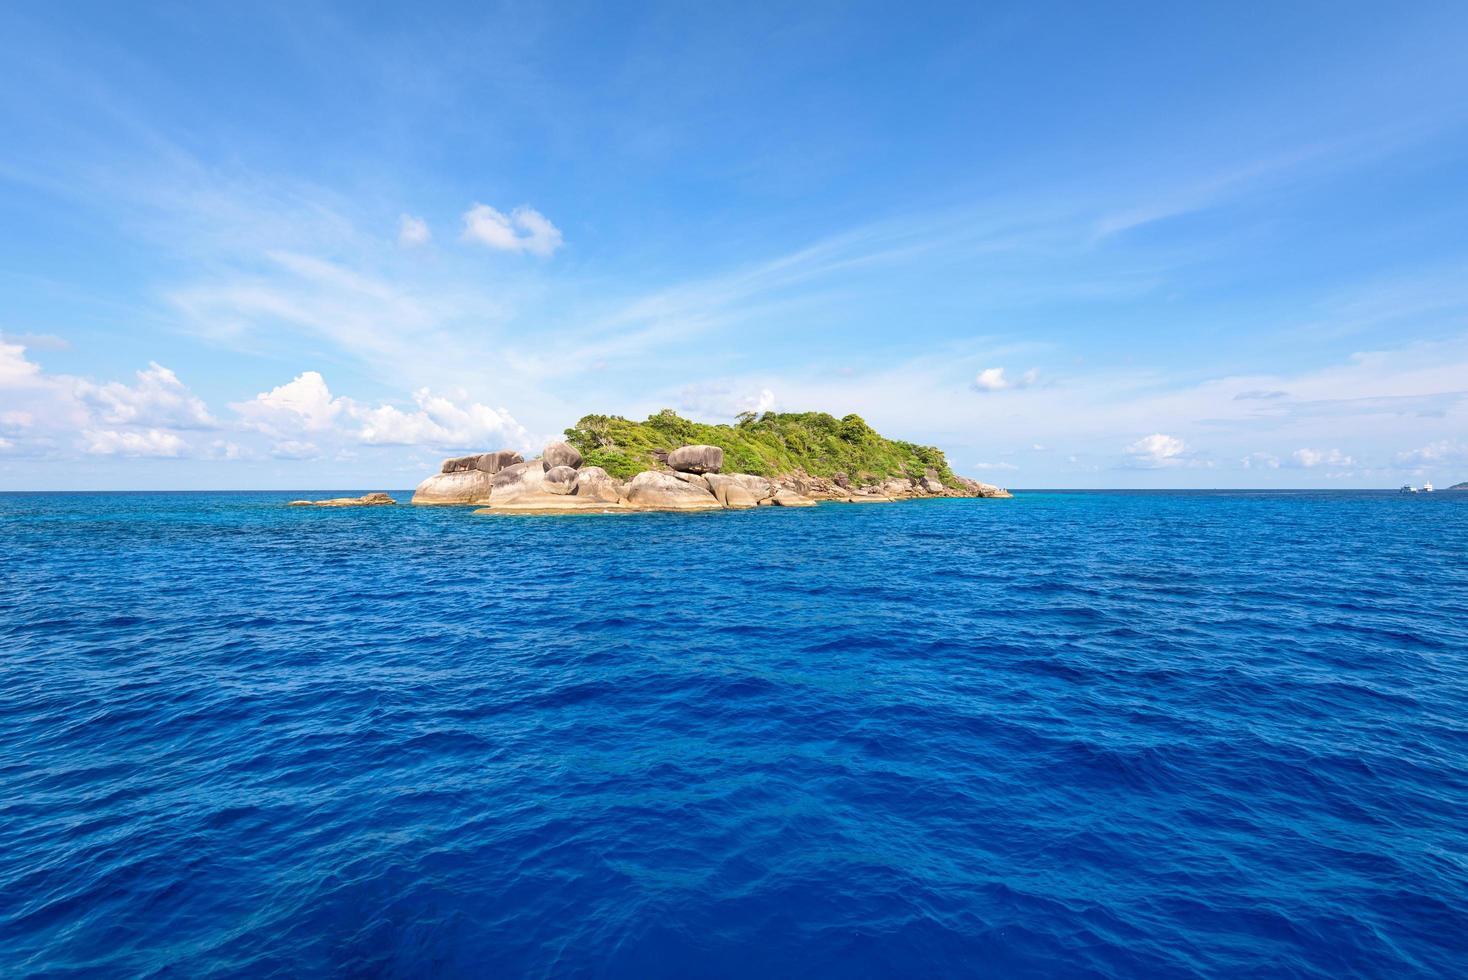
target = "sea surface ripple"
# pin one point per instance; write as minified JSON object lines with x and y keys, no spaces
{"x":1071,"y":734}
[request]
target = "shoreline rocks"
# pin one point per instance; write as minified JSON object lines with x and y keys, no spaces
{"x":556,"y":482}
{"x":652,"y":490}
{"x":366,"y":500}
{"x":454,"y":489}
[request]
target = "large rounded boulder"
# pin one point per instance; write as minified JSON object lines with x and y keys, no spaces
{"x":696,"y":459}
{"x":562,"y":454}
{"x":454,"y":489}
{"x":518,"y":480}
{"x":756,"y":486}
{"x":595,"y":483}
{"x":560,"y":479}
{"x":662,"y":491}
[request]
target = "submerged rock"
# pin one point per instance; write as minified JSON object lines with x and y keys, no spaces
{"x":652,"y":490}
{"x":696,"y":459}
{"x":366,"y":500}
{"x":454,"y":489}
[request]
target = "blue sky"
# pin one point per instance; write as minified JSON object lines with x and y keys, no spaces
{"x":321,"y":246}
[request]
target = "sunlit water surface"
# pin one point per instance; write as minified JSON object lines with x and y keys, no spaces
{"x":1095,"y":734}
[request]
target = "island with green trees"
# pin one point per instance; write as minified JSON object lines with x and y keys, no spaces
{"x":779,"y":459}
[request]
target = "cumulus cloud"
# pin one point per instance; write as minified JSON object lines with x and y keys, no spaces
{"x":149,"y":442}
{"x":305,"y":408}
{"x":159,"y":399}
{"x":1157,"y":450}
{"x":1259,"y":394}
{"x":994,"y":379}
{"x":15,"y":370}
{"x":303,"y":404}
{"x":1311,"y":458}
{"x":995,"y":466}
{"x":1260,"y":461}
{"x":522,"y":230}
{"x":439,"y":421}
{"x":413,"y":232}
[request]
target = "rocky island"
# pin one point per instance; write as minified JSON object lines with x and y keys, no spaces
{"x":669,"y":463}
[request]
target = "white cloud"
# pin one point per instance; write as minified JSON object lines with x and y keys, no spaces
{"x":150,"y":442}
{"x":304,"y":404}
{"x":15,"y":370}
{"x":995,"y":466}
{"x":764,"y":402}
{"x":1444,"y":451}
{"x":413,"y":232}
{"x":439,"y":421}
{"x":1157,"y":450}
{"x":17,"y":420}
{"x":1260,"y":461}
{"x":994,"y":379}
{"x":306,"y":407}
{"x":1310,"y":458}
{"x":522,"y":230}
{"x":159,"y":399}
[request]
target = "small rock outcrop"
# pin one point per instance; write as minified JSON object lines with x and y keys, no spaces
{"x":696,"y":459}
{"x":789,"y":498}
{"x":458,"y":488}
{"x":662,"y":491}
{"x":562,"y":454}
{"x":366,"y":500}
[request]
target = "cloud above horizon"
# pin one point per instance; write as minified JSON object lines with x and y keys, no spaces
{"x":413,"y":232}
{"x":994,"y":379}
{"x":522,"y":230}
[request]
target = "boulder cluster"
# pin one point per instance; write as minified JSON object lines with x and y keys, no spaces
{"x":505,"y":482}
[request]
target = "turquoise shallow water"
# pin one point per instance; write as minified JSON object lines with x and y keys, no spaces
{"x":1071,"y":734}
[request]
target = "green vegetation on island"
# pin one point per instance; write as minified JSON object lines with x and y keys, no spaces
{"x":767,"y":444}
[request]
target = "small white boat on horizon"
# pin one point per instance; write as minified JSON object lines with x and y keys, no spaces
{"x":1427,"y":488}
{"x":1407,"y":488}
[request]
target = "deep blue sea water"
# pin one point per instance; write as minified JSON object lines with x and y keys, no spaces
{"x":1071,"y":734}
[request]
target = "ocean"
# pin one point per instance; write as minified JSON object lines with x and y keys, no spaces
{"x":1096,"y":734}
